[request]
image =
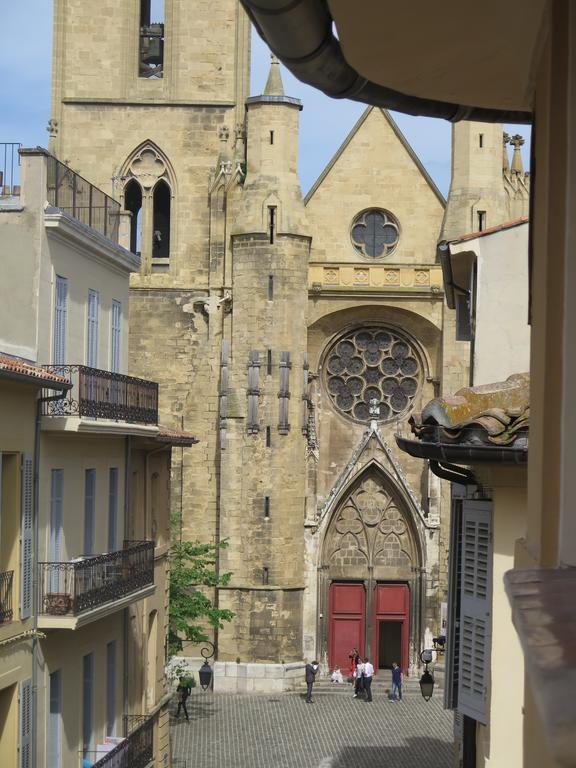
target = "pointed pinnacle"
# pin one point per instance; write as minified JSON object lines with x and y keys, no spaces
{"x":274,"y":86}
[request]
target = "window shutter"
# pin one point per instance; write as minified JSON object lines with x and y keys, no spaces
{"x":476,"y":618}
{"x":55,"y":554}
{"x":25,"y":723}
{"x":112,"y":508}
{"x":452,"y":656}
{"x":89,"y":509}
{"x":55,"y":721}
{"x":87,"y":701}
{"x":27,"y":527}
{"x":116,"y":330}
{"x":60,"y":320}
{"x":284,"y":393}
{"x":92,"y":330}
{"x":253,"y":392}
{"x":111,"y":688}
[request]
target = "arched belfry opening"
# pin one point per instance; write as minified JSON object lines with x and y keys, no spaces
{"x":370,"y":574}
{"x":149,"y":194}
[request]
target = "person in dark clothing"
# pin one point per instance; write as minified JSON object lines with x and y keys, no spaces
{"x":311,"y":670}
{"x":396,"y":682}
{"x":184,"y":690}
{"x":368,"y":674}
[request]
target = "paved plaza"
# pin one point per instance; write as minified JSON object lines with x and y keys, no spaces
{"x":337,"y":731}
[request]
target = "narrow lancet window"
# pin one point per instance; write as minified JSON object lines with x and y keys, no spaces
{"x":161,"y":227}
{"x":271,"y":223}
{"x":133,"y":203}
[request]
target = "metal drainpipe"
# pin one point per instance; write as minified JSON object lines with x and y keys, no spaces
{"x":127,"y":468}
{"x":35,"y":548}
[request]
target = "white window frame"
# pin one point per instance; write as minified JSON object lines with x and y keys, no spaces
{"x":116,"y":336}
{"x":92,"y":318}
{"x":60,"y":329}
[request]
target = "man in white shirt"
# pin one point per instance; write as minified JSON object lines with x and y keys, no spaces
{"x":368,"y":670}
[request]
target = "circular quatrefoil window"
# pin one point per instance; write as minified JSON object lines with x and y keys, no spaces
{"x":372,"y":369}
{"x":375,"y":233}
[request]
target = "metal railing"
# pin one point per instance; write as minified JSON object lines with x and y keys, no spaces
{"x":68,"y":589}
{"x":9,"y":169}
{"x":99,"y":394}
{"x":135,"y":751}
{"x":6,"y":580}
{"x":71,"y":193}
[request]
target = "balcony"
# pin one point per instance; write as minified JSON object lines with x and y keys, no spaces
{"x":6,"y":579}
{"x":136,"y":750}
{"x":103,"y":395}
{"x":72,"y":194}
{"x":75,"y":593}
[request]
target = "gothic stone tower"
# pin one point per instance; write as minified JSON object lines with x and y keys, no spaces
{"x":152,"y":110}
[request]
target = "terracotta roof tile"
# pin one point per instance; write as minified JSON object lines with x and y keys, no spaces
{"x":175,"y":436}
{"x":491,"y":230}
{"x":35,"y":372}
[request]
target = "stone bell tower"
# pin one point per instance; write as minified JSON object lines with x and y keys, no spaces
{"x":263,"y":458}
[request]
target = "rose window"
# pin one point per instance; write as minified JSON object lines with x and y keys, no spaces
{"x":372,"y":368}
{"x":375,"y":233}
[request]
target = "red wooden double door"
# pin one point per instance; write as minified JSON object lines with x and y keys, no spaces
{"x":383,"y":634}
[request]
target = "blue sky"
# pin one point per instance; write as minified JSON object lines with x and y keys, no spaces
{"x":27,"y":46}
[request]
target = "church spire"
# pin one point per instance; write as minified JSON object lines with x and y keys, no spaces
{"x":274,"y":86}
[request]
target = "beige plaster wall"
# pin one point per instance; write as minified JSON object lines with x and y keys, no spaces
{"x":374,"y":168}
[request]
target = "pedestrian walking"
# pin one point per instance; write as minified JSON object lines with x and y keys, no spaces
{"x":368,"y":673}
{"x":396,"y":682}
{"x":311,"y":670}
{"x":184,"y":690}
{"x":359,"y":681}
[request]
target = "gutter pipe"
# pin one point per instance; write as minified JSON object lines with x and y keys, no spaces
{"x":299,"y":33}
{"x":462,"y":454}
{"x":453,"y":473}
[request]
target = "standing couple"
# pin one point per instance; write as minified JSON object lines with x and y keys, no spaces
{"x":364,"y":672}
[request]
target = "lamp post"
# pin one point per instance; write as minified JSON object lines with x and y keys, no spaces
{"x":427,"y":679}
{"x":205,"y":673}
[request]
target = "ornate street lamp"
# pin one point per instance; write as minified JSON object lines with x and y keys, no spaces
{"x":427,"y":679}
{"x":205,"y":672}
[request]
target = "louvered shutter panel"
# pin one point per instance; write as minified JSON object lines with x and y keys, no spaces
{"x":89,"y":510}
{"x":476,"y":613}
{"x":25,"y":723}
{"x":60,"y":320}
{"x":112,"y":508}
{"x":116,"y":328}
{"x":92,"y":330}
{"x":452,"y":655}
{"x":111,"y":688}
{"x":54,"y":748}
{"x":26,"y":554}
{"x":56,"y":525}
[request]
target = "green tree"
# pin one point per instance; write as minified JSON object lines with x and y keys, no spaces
{"x":192,"y":567}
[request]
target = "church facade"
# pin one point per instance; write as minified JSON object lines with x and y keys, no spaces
{"x":294,"y":336}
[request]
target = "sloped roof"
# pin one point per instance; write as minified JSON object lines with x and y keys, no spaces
{"x":175,"y":436}
{"x":491,"y":230}
{"x":403,"y":140}
{"x":15,"y":367}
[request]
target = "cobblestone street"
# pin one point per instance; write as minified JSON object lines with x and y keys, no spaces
{"x":337,"y":731}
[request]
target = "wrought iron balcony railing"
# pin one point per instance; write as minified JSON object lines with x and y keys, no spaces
{"x":99,"y":394}
{"x":9,"y":169}
{"x":136,"y":750}
{"x":68,"y":589}
{"x":6,"y":579}
{"x":71,"y":193}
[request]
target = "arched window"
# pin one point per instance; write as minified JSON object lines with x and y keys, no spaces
{"x":133,"y":203}
{"x":149,"y":194}
{"x":161,"y":226}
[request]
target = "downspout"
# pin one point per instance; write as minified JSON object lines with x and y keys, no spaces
{"x":453,"y":473}
{"x":300,"y":33}
{"x":127,"y":470}
{"x":35,"y":560}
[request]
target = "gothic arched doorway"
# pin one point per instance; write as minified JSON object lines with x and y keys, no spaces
{"x":370,"y":575}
